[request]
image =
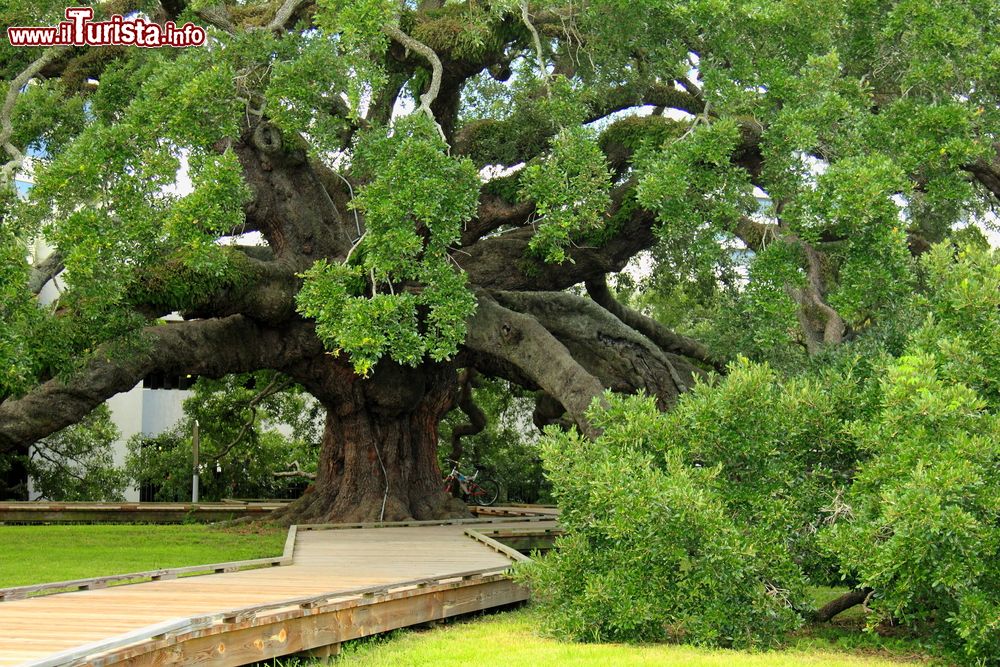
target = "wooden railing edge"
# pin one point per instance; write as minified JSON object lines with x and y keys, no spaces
{"x":513,"y":554}
{"x":288,"y":552}
{"x":423,"y":523}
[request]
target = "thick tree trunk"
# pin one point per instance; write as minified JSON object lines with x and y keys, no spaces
{"x":849,"y":599}
{"x":379,"y":456}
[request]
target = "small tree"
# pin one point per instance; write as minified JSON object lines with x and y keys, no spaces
{"x":255,"y":428}
{"x":77,"y":462}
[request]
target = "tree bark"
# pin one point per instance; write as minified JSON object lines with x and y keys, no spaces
{"x":669,"y":341}
{"x":468,"y":380}
{"x":843,"y":603}
{"x":378,"y":460}
{"x":211,"y":348}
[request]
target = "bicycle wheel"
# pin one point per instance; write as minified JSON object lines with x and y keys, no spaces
{"x":484,"y":492}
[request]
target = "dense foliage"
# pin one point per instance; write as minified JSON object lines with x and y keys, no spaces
{"x":918,"y":524}
{"x":876,"y":470}
{"x":375,"y":198}
{"x":652,"y":551}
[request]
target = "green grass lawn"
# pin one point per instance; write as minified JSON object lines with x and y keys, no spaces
{"x":511,"y":639}
{"x":41,"y":554}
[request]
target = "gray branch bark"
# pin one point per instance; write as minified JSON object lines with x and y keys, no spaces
{"x":623,"y":359}
{"x":500,"y":338}
{"x":212,"y":348}
{"x":44,"y":271}
{"x":437,"y":71}
{"x":668,"y":340}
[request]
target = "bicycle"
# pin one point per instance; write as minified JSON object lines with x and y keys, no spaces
{"x":483,"y":491}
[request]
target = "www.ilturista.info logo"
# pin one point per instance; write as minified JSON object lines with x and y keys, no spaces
{"x":79,"y":30}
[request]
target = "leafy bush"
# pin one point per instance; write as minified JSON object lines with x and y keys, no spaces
{"x":652,"y":552}
{"x":963,"y":326}
{"x":920,"y":521}
{"x":780,"y":450}
{"x":920,"y":524}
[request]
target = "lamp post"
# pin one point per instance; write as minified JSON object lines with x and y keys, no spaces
{"x":195,"y":441}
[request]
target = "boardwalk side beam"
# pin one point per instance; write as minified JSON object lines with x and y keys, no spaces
{"x":513,"y":554}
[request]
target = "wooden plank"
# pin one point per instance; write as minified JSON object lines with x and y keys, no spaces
{"x":497,"y":546}
{"x":428,"y":523}
{"x":289,"y":551}
{"x":176,"y":628}
{"x":300,"y":631}
{"x":74,"y":655}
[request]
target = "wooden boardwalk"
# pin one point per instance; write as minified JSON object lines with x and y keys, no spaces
{"x":416,"y":573}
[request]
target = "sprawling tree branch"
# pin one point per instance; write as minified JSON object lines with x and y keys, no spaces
{"x":437,"y":69}
{"x":523,"y":141}
{"x":286,"y":12}
{"x":206,"y":347}
{"x":623,"y":359}
{"x":44,"y":271}
{"x":467,"y":380}
{"x":987,"y":173}
{"x":217,"y":16}
{"x":495,"y":212}
{"x":509,"y":344}
{"x":820,"y":323}
{"x":295,"y":471}
{"x":849,"y":599}
{"x":291,"y":206}
{"x":668,"y":340}
{"x":504,"y":261}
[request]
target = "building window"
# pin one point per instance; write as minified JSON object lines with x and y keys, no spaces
{"x":168,"y":381}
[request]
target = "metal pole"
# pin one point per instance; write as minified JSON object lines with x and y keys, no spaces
{"x":195,"y":442}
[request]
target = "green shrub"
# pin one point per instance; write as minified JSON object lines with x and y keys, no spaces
{"x":921,"y":523}
{"x":652,"y":551}
{"x":781,"y":451}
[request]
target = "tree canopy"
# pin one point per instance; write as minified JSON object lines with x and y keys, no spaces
{"x":430,"y":180}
